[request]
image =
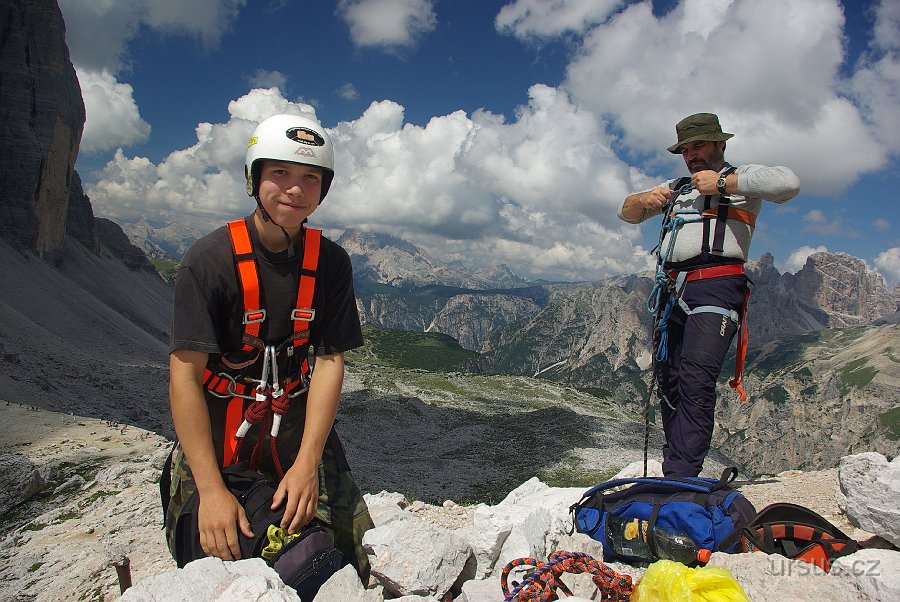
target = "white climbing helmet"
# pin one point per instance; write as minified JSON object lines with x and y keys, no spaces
{"x":291,"y":138}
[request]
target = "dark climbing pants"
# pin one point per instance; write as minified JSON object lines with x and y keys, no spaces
{"x":697,"y":345}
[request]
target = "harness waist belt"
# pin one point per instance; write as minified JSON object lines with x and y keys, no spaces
{"x":733,"y":213}
{"x":716,"y":271}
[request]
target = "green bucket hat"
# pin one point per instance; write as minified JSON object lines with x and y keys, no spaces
{"x":700,"y":126}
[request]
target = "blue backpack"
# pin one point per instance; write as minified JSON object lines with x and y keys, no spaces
{"x":706,"y":510}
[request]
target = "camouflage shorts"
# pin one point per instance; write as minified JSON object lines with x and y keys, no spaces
{"x":341,"y":505}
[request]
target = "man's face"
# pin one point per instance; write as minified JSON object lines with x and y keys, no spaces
{"x":289,"y":192}
{"x":703,"y":154}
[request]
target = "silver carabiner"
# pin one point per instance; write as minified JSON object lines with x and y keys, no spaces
{"x":264,"y":376}
{"x":230,"y":390}
{"x":276,"y":385}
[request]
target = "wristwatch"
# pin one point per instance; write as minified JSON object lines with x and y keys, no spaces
{"x":720,"y":184}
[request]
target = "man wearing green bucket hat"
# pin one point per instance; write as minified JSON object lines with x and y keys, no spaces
{"x":701,"y":295}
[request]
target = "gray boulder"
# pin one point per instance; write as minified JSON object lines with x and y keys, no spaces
{"x":20,"y":480}
{"x":872,"y":487}
{"x":876,"y":573}
{"x":346,"y":587}
{"x":774,"y":577}
{"x":411,"y":557}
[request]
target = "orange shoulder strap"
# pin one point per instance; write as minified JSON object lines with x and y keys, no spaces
{"x":248,"y":280}
{"x":304,"y":313}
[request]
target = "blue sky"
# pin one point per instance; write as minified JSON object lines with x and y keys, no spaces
{"x":499,"y":132}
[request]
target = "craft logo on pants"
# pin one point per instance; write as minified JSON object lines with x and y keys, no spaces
{"x":724,"y":326}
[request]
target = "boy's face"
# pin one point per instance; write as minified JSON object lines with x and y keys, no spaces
{"x":289,"y":192}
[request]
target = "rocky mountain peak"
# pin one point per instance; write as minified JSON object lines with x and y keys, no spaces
{"x":363,"y":242}
{"x":161,"y":240}
{"x":845,"y":288}
{"x":384,"y":259}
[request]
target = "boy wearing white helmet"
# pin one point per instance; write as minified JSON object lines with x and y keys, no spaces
{"x":264,"y":311}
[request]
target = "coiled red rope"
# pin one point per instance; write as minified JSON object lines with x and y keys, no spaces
{"x":542,"y":583}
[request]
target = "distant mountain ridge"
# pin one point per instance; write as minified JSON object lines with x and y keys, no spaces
{"x":170,"y":240}
{"x":823,"y":372}
{"x":385,"y":259}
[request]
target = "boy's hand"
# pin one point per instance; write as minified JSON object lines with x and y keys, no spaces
{"x":219,"y":516}
{"x":299,"y":492}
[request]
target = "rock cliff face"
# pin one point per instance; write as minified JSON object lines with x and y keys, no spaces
{"x":83,"y":312}
{"x":841,"y":285}
{"x":814,"y":398}
{"x":41,"y":120}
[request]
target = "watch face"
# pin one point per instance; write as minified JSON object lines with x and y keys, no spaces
{"x":720,"y":184}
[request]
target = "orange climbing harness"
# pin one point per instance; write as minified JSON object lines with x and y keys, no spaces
{"x":270,"y":399}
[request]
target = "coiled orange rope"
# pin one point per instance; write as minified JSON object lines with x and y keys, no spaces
{"x":542,"y":583}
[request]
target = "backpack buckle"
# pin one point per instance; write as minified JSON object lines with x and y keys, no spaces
{"x":254,"y":316}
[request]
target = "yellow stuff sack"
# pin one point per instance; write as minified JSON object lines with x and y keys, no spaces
{"x":668,"y":581}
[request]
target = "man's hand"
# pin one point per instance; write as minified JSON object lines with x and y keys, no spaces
{"x":705,"y":181}
{"x":640,"y":205}
{"x":655,"y":199}
{"x":299,"y":492}
{"x":219,"y":516}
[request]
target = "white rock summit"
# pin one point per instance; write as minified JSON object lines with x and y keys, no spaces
{"x":418,"y":555}
{"x":99,"y":502}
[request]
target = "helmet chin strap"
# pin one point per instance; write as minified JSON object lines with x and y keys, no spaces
{"x":267,"y":218}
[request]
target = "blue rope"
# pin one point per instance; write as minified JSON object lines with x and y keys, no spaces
{"x":662,"y":350}
{"x":672,"y":222}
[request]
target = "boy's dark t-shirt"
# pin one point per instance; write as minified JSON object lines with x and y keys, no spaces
{"x":209,"y":308}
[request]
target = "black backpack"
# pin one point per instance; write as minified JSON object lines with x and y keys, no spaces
{"x":795,"y":532}
{"x":304,"y":563}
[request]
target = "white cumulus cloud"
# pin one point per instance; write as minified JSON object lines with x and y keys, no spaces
{"x":98,"y":31}
{"x":528,"y":19}
{"x":97,"y":35}
{"x":387,"y":23}
{"x":348,"y":92}
{"x":798,"y":258}
{"x":524,"y":193}
{"x":888,"y":263}
{"x":769,"y":68}
{"x":202,"y":185}
{"x":875,"y":85}
{"x":818,"y":222}
{"x":112,"y":116}
{"x":262,"y":78}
